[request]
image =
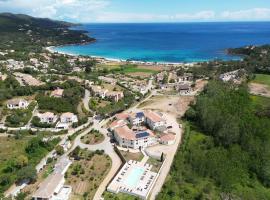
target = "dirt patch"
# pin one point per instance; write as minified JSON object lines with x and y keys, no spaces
{"x":259,"y":89}
{"x":174,"y":105}
{"x":132,"y":156}
{"x":139,"y":74}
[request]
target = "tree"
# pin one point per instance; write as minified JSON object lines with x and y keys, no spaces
{"x":21,"y":161}
{"x":59,"y":150}
{"x":27,"y":173}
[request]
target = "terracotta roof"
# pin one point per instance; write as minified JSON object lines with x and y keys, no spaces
{"x":67,"y":115}
{"x":57,"y":92}
{"x":154,"y":117}
{"x":117,"y":123}
{"x":122,"y":116}
{"x":167,"y":137}
{"x":47,"y":114}
{"x":14,"y":101}
{"x":125,"y":132}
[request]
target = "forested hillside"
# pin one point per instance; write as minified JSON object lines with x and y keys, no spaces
{"x":225,"y":152}
{"x":25,"y":33}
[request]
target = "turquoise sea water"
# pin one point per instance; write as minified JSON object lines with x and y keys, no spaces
{"x":170,"y":42}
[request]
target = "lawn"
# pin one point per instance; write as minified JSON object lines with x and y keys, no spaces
{"x":87,"y":173}
{"x":156,"y":164}
{"x":262,"y":79}
{"x":93,"y":137}
{"x":260,"y":102}
{"x":132,"y":156}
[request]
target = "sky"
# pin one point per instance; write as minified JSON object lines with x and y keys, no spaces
{"x":87,"y":11}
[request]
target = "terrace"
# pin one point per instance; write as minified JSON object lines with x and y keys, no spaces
{"x":135,"y":178}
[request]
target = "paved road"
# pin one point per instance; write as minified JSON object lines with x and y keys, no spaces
{"x":86,"y":99}
{"x":170,"y":152}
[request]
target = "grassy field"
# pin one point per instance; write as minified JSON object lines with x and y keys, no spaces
{"x":156,"y":164}
{"x":93,"y":137}
{"x":11,"y":148}
{"x":262,"y":79}
{"x":132,"y":156}
{"x":86,"y":174}
{"x":259,"y":101}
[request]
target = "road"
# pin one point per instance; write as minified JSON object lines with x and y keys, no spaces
{"x":170,"y":152}
{"x":86,"y":99}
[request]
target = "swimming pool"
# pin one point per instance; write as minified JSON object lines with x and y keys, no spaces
{"x":134,"y":177}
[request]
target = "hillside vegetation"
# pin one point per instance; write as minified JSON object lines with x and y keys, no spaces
{"x":225,"y":151}
{"x":25,"y":33}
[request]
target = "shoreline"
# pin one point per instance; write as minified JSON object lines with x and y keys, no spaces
{"x":52,"y":50}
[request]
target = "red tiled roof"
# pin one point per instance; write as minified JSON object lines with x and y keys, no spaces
{"x":167,"y":137}
{"x":154,"y":117}
{"x":122,"y":116}
{"x":125,"y":132}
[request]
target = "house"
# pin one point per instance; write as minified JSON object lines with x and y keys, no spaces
{"x":136,"y":118}
{"x":47,"y":117}
{"x":17,"y":104}
{"x":116,"y":124}
{"x":167,"y":139}
{"x":108,"y":80}
{"x":115,"y":96}
{"x":186,"y":77}
{"x":53,"y":188}
{"x":154,"y":120}
{"x":98,"y":91}
{"x":68,"y":117}
{"x":128,"y":139}
{"x":58,"y":93}
{"x":184,"y":89}
{"x":123,"y":116}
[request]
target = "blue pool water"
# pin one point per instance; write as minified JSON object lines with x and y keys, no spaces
{"x":134,"y":177}
{"x":170,"y":42}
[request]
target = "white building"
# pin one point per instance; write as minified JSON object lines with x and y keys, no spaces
{"x":128,"y":139}
{"x":115,"y":96}
{"x":47,"y":117}
{"x":53,"y":188}
{"x":167,"y":139}
{"x":17,"y":104}
{"x":68,"y":117}
{"x":58,"y":93}
{"x":154,"y":120}
{"x":98,"y":91}
{"x":136,"y":118}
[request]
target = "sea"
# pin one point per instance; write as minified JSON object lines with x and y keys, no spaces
{"x":169,"y":42}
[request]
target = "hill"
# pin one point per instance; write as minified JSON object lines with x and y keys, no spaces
{"x":18,"y":31}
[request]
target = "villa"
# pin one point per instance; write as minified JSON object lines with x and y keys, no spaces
{"x":53,"y":188}
{"x":167,"y":139}
{"x":154,"y":121}
{"x":58,"y":93}
{"x":184,"y":89}
{"x":98,"y":91}
{"x":137,"y":118}
{"x":115,"y":96}
{"x":17,"y":104}
{"x":68,"y":117}
{"x":47,"y":117}
{"x":127,"y":138}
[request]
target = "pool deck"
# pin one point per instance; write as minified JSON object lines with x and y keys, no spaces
{"x":126,"y":182}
